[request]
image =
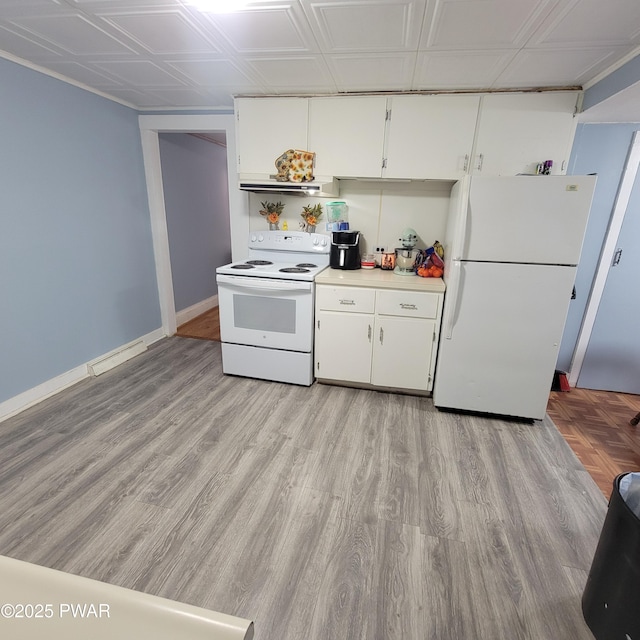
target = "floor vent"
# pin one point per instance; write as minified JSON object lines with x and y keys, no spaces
{"x":113,"y":359}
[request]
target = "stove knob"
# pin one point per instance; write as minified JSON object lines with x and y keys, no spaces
{"x":316,"y":241}
{"x":253,"y":237}
{"x":324,"y":241}
{"x":260,"y":238}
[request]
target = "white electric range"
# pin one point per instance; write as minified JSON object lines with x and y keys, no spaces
{"x":266,"y":306}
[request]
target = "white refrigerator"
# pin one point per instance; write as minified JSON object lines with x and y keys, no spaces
{"x":511,"y":251}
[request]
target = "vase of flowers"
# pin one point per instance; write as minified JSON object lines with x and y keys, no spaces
{"x":272,"y":212}
{"x":311,"y":214}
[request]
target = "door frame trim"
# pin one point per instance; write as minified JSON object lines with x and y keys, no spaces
{"x":150,"y":127}
{"x":621,"y":203}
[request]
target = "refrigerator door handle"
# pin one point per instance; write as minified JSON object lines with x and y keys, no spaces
{"x":460,"y":248}
{"x":453,"y":296}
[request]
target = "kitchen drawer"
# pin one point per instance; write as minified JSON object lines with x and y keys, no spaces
{"x":345,"y":299}
{"x":407,"y":303}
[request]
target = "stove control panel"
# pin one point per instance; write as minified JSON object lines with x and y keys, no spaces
{"x":298,"y":241}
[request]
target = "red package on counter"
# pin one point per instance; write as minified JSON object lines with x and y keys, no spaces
{"x":429,"y":264}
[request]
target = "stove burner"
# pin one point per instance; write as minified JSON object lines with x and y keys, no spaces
{"x":294,"y":270}
{"x":307,"y":265}
{"x":241,"y":266}
{"x":259,"y":263}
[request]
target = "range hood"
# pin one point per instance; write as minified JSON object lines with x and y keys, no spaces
{"x":320,"y":186}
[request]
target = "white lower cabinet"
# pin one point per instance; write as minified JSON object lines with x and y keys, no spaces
{"x":379,"y":337}
{"x":402,"y":352}
{"x":343,"y":345}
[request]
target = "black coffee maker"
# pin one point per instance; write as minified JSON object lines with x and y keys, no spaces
{"x":345,"y":250}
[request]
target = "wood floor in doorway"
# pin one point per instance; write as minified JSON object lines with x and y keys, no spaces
{"x":204,"y":327}
{"x":596,"y":426}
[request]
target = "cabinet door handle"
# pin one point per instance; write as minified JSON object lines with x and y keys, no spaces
{"x":369,"y":333}
{"x":616,"y":258}
{"x":381,"y":335}
{"x":347,"y":302}
{"x":480,"y":162}
{"x":406,"y":305}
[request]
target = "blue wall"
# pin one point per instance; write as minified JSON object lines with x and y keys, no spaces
{"x":625,"y":76}
{"x":77,"y":274}
{"x":194,"y":176}
{"x":601,"y":149}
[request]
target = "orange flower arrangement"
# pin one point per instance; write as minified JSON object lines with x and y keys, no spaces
{"x":311,"y":214}
{"x":272,"y":211}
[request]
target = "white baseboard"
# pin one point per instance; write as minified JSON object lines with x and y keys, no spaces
{"x":26,"y":399}
{"x":31,"y":397}
{"x":114,"y":358}
{"x":196,"y":310}
{"x":154,"y":336}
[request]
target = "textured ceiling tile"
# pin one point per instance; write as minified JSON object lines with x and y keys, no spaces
{"x":319,"y":46}
{"x":26,"y":8}
{"x":74,"y":34}
{"x":212,"y":73}
{"x":367,"y":26}
{"x":23,"y":47}
{"x":592,"y":23}
{"x":183,"y":98}
{"x":450,"y":70}
{"x":166,"y":33}
{"x":80,"y":72}
{"x":220,"y":98}
{"x":268,"y":30}
{"x":536,"y":67}
{"x":471,"y":24}
{"x":140,"y":73}
{"x":98,"y":5}
{"x":291,"y":72}
{"x":373,"y":72}
{"x":137,"y":98}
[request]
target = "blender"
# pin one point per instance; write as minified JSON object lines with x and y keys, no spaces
{"x":406,"y":254}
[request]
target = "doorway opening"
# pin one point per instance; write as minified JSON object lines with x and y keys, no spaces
{"x":194,"y":175}
{"x":150,"y":128}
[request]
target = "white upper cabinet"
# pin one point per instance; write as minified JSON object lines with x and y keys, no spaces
{"x":347,"y":135}
{"x":518,"y":131}
{"x":439,"y":137}
{"x":267,"y":127}
{"x":431,"y":136}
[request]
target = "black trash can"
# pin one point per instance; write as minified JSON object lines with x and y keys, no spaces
{"x":611,"y":598}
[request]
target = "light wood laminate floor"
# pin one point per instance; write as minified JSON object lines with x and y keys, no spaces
{"x":595,"y":424}
{"x":320,"y":513}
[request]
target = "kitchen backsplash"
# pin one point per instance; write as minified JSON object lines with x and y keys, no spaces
{"x":380,"y":211}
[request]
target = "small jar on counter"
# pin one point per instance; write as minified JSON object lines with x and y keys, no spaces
{"x":388,"y":261}
{"x":368,"y":261}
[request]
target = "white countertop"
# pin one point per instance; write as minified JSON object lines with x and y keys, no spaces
{"x":379,"y":279}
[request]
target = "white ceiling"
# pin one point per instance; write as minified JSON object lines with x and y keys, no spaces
{"x":164,"y":54}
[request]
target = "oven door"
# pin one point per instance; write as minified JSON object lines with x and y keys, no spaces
{"x":263,"y":312}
